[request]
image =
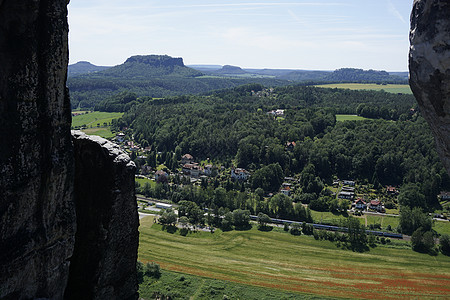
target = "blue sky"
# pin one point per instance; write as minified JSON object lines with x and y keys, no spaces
{"x":312,"y":35}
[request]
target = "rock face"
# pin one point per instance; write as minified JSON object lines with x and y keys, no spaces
{"x":104,"y":260}
{"x":429,"y":67}
{"x":39,"y":186}
{"x":37,"y":213}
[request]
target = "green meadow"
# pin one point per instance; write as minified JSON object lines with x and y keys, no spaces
{"x":390,"y":88}
{"x":340,"y":118}
{"x":296,"y":264}
{"x":96,"y":123}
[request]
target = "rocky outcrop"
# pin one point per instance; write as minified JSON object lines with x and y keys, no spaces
{"x":39,"y":185}
{"x":37,"y":214}
{"x":429,"y":67}
{"x":104,"y":260}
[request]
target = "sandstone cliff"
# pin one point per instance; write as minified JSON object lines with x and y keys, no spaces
{"x":37,"y":212}
{"x":429,"y":67}
{"x":39,"y":184}
{"x":103,"y":265}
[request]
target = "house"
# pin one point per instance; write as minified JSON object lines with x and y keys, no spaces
{"x":277,"y":113}
{"x":376,"y":205}
{"x":290,"y":146}
{"x":286,"y":190}
{"x":159,"y":174}
{"x":163,"y":205}
{"x":187,"y":159}
{"x":444,"y":195}
{"x":346,"y":195}
{"x":360,"y":204}
{"x":192,"y":169}
{"x":239,"y":174}
{"x":349,"y":182}
{"x":120,"y":137}
{"x":348,"y":189}
{"x":208,"y":170}
{"x":391,"y":190}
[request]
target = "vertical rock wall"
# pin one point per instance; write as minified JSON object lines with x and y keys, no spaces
{"x":37,"y":174}
{"x":104,"y":260}
{"x":37,"y":216}
{"x":429,"y":67}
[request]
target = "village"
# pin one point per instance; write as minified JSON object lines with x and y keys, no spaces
{"x":360,"y":197}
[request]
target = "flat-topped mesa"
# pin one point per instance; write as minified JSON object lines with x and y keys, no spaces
{"x":429,"y":68}
{"x":156,"y":60}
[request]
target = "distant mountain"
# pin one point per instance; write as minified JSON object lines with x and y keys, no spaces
{"x":362,"y":76}
{"x":230,"y":70}
{"x":302,"y":75}
{"x":148,"y":66}
{"x":83,"y":67}
{"x":152,"y":76}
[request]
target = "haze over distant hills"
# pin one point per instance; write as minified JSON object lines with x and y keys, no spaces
{"x":162,"y":76}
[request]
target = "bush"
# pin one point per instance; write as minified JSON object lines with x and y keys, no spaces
{"x":140,"y":272}
{"x":444,"y":244}
{"x":295,"y":229}
{"x":422,"y":241}
{"x":152,"y":270}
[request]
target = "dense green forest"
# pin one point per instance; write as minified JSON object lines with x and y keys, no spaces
{"x":234,"y":127}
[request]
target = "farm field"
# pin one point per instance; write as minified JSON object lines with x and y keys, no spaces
{"x":340,"y":118}
{"x":94,"y":123}
{"x":390,"y":88}
{"x":298,"y":264}
{"x":94,"y":118}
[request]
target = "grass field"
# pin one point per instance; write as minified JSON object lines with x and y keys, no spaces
{"x":340,"y":118}
{"x":297,"y":264}
{"x":104,"y":132}
{"x":143,"y":181}
{"x":94,"y":118}
{"x":390,"y":88}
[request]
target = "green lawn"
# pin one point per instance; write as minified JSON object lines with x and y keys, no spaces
{"x":183,"y":286}
{"x":340,"y":118}
{"x":143,"y":181}
{"x":297,"y":264}
{"x":442,"y":227}
{"x":390,"y":88}
{"x":104,"y":132}
{"x":94,"y":118}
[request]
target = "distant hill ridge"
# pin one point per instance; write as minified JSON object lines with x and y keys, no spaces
{"x":84,"y":67}
{"x":148,"y":66}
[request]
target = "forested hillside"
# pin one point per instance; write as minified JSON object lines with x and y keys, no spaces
{"x":234,"y":128}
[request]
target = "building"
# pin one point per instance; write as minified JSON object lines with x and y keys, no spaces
{"x":239,"y":174}
{"x":360,"y":204}
{"x":444,"y":195}
{"x":290,"y":146}
{"x":120,"y":137}
{"x":187,"y":159}
{"x":286,"y":190}
{"x":346,"y":195}
{"x":391,"y":190}
{"x":208,"y":170}
{"x":376,"y":205}
{"x":163,"y":205}
{"x":349,"y":182}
